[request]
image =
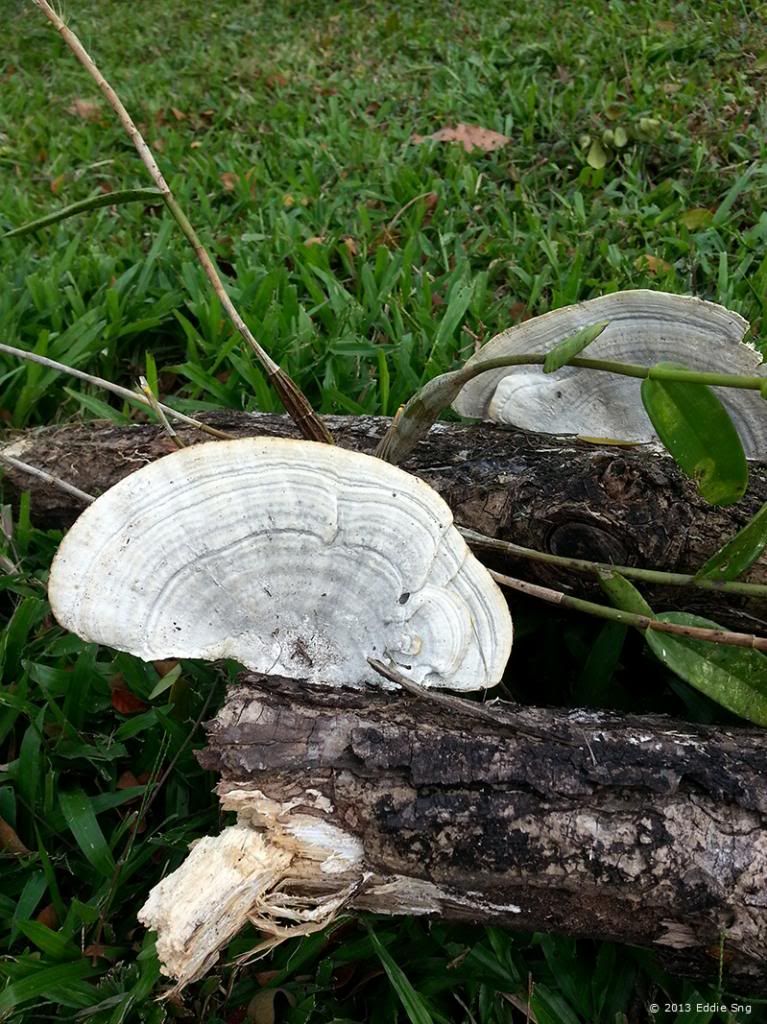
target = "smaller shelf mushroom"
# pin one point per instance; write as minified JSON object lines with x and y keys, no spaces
{"x":644,"y":327}
{"x":291,"y":557}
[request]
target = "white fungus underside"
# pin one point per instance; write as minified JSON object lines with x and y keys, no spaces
{"x":645,"y":328}
{"x":290,"y":557}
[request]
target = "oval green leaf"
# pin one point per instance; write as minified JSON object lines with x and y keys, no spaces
{"x":566,"y":350}
{"x":739,"y":552}
{"x":735,"y":677}
{"x":624,"y":595}
{"x":596,"y":156}
{"x":697,"y":431}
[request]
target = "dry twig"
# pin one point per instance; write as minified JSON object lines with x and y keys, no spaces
{"x":116,"y":389}
{"x":41,"y":474}
{"x":296,"y":403}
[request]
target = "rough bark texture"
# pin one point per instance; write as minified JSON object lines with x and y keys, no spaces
{"x":645,"y":831}
{"x":626,"y":505}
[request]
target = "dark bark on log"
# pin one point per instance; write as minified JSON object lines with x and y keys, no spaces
{"x":644,"y":831}
{"x":626,"y":505}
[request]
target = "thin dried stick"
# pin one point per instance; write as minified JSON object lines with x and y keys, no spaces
{"x":406,"y":207}
{"x":296,"y":403}
{"x":116,"y":389}
{"x":712,"y":636}
{"x":150,"y":395}
{"x":457,"y":705}
{"x":49,"y":478}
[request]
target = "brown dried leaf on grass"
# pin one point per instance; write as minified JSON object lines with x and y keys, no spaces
{"x":229,"y":180}
{"x":471,"y":136}
{"x":9,"y":840}
{"x":124,"y":700}
{"x":162,"y":668}
{"x":88,"y":110}
{"x":652,"y":264}
{"x":48,"y":917}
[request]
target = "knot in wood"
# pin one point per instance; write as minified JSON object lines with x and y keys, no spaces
{"x":585,"y":539}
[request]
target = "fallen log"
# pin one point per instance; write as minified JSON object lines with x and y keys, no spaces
{"x":625,"y":505}
{"x":638,"y":830}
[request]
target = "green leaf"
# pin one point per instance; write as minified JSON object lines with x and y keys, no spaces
{"x":79,"y":814}
{"x":739,"y":552}
{"x":566,"y":350}
{"x":735,"y":677}
{"x":697,"y":431}
{"x":30,"y":760}
{"x":51,"y":982}
{"x":741,"y":183}
{"x":28,"y":901}
{"x":550,"y":1008}
{"x":412,"y":1003}
{"x":596,"y":156}
{"x":458,"y":303}
{"x":17,"y":638}
{"x":165,"y":682}
{"x":151,"y":374}
{"x":98,"y":408}
{"x":50,"y":942}
{"x":624,"y":595}
{"x":595,"y":684}
{"x":696,"y":219}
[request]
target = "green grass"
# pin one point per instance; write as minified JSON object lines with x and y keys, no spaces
{"x":285,"y":130}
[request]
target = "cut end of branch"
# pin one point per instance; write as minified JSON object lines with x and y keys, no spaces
{"x":244,"y":875}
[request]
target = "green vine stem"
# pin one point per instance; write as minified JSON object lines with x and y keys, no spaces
{"x":655,"y":576}
{"x":643,"y":622}
{"x":414,"y":420}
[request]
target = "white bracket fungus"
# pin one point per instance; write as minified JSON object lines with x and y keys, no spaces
{"x":291,"y":557}
{"x":644,"y":327}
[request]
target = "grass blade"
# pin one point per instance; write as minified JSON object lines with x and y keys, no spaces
{"x":412,"y":1003}
{"x":49,"y":982}
{"x":79,"y":815}
{"x":152,"y":196}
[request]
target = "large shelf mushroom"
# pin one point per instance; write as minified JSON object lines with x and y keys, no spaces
{"x":291,"y":557}
{"x":644,"y":327}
